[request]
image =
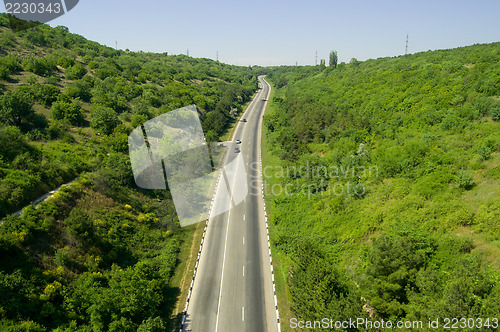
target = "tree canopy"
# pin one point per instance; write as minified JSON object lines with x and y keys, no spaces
{"x":384,"y":166}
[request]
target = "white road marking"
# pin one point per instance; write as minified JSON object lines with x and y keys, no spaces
{"x":242,"y":314}
{"x":243,"y":240}
{"x":243,"y":217}
{"x":224,"y":261}
{"x":243,"y":270}
{"x":222,"y":273}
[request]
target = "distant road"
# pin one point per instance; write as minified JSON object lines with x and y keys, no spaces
{"x":233,"y":288}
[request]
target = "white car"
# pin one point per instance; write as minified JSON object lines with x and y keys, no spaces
{"x":238,"y":141}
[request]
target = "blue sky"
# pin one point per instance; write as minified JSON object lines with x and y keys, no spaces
{"x":277,"y":32}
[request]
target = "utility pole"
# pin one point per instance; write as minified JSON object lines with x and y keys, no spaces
{"x":406,"y":49}
{"x":187,"y":52}
{"x":217,"y":55}
{"x":116,"y":45}
{"x":316,"y":63}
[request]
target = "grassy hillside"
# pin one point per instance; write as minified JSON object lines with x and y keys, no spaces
{"x":383,"y":184}
{"x":59,"y":89}
{"x":101,"y":253}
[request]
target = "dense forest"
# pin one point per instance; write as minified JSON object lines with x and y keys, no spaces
{"x":383,"y":184}
{"x":98,"y":255}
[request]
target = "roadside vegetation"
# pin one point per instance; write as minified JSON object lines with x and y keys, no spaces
{"x":383,"y":186}
{"x":100,"y":254}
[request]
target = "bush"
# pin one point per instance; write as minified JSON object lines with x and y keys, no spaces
{"x":65,"y":61}
{"x":47,"y":94}
{"x":15,"y":107}
{"x":79,"y":89}
{"x":12,"y":143}
{"x":104,"y":119}
{"x":152,"y":325}
{"x":65,"y":110}
{"x":39,"y":66}
{"x":4,"y":73}
{"x":464,"y":179}
{"x":79,"y":225}
{"x":8,"y":65}
{"x":76,"y":72}
{"x":495,"y":112}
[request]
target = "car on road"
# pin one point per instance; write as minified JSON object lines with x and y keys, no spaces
{"x":238,"y":141}
{"x":243,"y":120}
{"x":237,"y":150}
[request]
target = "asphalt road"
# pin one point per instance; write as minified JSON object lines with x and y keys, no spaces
{"x":233,"y":288}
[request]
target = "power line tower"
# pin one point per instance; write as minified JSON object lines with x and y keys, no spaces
{"x":217,"y":55}
{"x":406,"y":49}
{"x":316,"y":63}
{"x":187,"y":53}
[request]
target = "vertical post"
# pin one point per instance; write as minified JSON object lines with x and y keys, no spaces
{"x":406,"y":49}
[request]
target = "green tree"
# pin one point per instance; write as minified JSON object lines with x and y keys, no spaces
{"x":79,"y":89}
{"x":8,"y":65}
{"x":495,"y":112}
{"x":79,"y":224}
{"x":39,"y":66}
{"x":47,"y":94}
{"x":333,"y":59}
{"x":76,"y":72}
{"x":12,"y":143}
{"x":15,"y":107}
{"x":152,"y":325}
{"x":393,"y":261}
{"x":65,"y":61}
{"x":104,"y":119}
{"x":66,"y":110}
{"x":464,"y":179}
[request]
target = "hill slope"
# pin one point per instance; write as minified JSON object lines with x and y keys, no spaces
{"x":53,"y":81}
{"x":384,"y":186}
{"x":101,"y":253}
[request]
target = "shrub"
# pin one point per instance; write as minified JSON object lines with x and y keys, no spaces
{"x":495,"y":112}
{"x":12,"y":143}
{"x":76,"y":72}
{"x":79,"y":89}
{"x":65,"y":61}
{"x":79,"y":225}
{"x":15,"y":107}
{"x":39,"y":66}
{"x":66,"y":110}
{"x":47,"y":94}
{"x":8,"y":65}
{"x":464,"y":179}
{"x":104,"y":119}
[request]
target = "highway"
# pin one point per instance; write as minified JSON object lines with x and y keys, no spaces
{"x":233,"y":289}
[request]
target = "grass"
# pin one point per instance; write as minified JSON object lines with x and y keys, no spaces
{"x":280,"y":261}
{"x":184,"y":271}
